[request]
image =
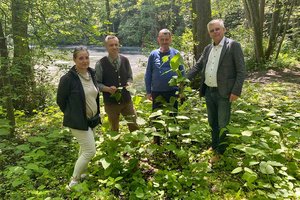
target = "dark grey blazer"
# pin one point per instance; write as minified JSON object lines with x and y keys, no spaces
{"x":231,"y":70}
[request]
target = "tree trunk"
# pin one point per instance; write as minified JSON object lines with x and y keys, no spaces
{"x":201,"y":14}
{"x":255,"y":13}
{"x":290,"y":8}
{"x":5,"y":81}
{"x":109,"y":24}
{"x":23,"y":72}
{"x":274,"y":29}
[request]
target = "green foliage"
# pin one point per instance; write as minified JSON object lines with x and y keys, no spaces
{"x":65,"y":22}
{"x":261,"y":162}
{"x":180,"y":80}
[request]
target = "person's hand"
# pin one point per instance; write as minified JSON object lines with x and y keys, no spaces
{"x":149,"y":97}
{"x":233,"y":97}
{"x":112,"y":89}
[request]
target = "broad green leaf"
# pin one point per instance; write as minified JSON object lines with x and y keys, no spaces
{"x":104,"y":163}
{"x":275,"y":163}
{"x":16,"y":169}
{"x":175,"y":62}
{"x":297,"y":115}
{"x":37,"y":139}
{"x":162,"y":122}
{"x":139,"y":193}
{"x":39,"y":153}
{"x":118,"y":186}
{"x":140,"y":121}
{"x":165,"y":59}
{"x":275,"y":133}
{"x":174,"y":129}
{"x":41,"y":187}
{"x":249,"y":170}
{"x":240,"y":112}
{"x":272,"y":196}
{"x":24,"y":147}
{"x":182,"y":117}
{"x":253,"y":163}
{"x":156,"y":114}
{"x":297,"y":155}
{"x":118,"y":178}
{"x":267,"y":128}
{"x":180,"y":153}
{"x":171,"y":147}
{"x":247,"y":133}
{"x":249,"y":177}
{"x":155,"y":184}
{"x":252,"y":151}
{"x":17,"y":182}
{"x":33,"y":167}
{"x":266,"y":168}
{"x":237,"y":170}
{"x":271,"y":114}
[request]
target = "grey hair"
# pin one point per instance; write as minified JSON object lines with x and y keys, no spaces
{"x":165,"y":32}
{"x":79,"y":49}
{"x":216,"y":21}
{"x":109,"y":37}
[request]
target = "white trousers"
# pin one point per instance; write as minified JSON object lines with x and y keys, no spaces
{"x":87,"y":150}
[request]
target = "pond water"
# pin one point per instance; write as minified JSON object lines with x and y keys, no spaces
{"x":136,"y":58}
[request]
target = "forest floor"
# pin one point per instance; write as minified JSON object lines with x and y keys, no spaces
{"x":283,"y":75}
{"x":262,"y":161}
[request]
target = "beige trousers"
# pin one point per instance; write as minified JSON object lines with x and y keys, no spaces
{"x":87,"y":150}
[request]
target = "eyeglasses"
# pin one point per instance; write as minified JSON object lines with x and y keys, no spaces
{"x":213,"y":30}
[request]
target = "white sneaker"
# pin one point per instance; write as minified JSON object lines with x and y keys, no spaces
{"x":72,"y":184}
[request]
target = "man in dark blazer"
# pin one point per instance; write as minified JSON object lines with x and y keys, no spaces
{"x":222,"y":70}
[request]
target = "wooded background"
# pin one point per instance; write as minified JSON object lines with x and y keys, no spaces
{"x":37,"y":153}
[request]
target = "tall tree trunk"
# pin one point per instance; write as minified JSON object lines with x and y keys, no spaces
{"x":290,"y":8}
{"x":201,"y":14}
{"x":274,"y":29}
{"x":5,"y":81}
{"x":23,"y":73}
{"x":255,"y":12}
{"x":109,"y":24}
{"x":172,"y":16}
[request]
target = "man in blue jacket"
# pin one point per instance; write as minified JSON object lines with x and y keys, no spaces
{"x":158,"y":74}
{"x":222,"y":70}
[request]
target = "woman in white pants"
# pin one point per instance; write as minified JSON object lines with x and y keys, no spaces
{"x":78,"y":99}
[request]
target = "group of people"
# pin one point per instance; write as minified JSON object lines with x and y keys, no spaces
{"x":221,"y":67}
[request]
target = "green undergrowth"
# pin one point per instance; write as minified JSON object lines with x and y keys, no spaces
{"x":261,"y":162}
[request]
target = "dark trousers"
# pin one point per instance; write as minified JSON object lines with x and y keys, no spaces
{"x":218,"y":111}
{"x":161,"y":99}
{"x":164,"y":100}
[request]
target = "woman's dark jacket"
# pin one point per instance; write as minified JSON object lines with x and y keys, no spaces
{"x":71,"y":99}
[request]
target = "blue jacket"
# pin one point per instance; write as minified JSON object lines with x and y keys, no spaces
{"x":156,"y":80}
